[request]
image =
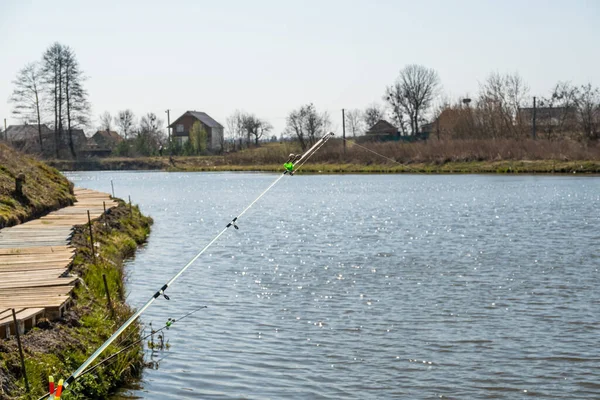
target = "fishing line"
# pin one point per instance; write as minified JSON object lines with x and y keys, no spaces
{"x":380,"y":155}
{"x":167,"y":325}
{"x":161,"y":292}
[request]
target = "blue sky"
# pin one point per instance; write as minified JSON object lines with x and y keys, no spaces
{"x":269,"y":57}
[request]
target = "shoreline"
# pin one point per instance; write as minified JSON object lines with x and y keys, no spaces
{"x":206,"y":164}
{"x":58,"y":347}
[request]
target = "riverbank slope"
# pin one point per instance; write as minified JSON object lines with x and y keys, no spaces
{"x":44,"y":189}
{"x":58,"y":347}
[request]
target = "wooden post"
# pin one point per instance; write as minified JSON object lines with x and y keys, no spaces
{"x":91,"y":236}
{"x":110,"y":306}
{"x":344,"y":129}
{"x":130,"y":210}
{"x":20,"y":349}
{"x":533,"y":124}
{"x":19,"y":181}
{"x":113,"y":188}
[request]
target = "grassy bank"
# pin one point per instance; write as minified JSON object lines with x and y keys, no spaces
{"x":58,"y":347}
{"x":44,"y":188}
{"x":465,"y":156}
{"x":453,"y":167}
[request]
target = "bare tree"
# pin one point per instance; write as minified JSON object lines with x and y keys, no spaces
{"x":354,"y":122}
{"x":254,"y":126}
{"x":151,"y":123}
{"x":105,"y":121}
{"x":307,"y":124}
{"x":588,"y":108}
{"x":499,"y":104}
{"x":77,"y":105}
{"x":412,"y":94}
{"x":125,"y":120}
{"x":26,"y":96}
{"x":53,"y":62}
{"x":150,"y":134}
{"x":235,"y":128}
{"x":556,"y":115}
{"x":372,"y":115}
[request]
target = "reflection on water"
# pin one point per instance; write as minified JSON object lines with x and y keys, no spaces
{"x":370,"y":286}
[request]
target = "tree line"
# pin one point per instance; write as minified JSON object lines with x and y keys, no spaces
{"x":51,"y":90}
{"x":53,"y":87}
{"x":503,"y":108}
{"x":415,"y":105}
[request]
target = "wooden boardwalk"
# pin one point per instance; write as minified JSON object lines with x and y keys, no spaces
{"x":35,"y":259}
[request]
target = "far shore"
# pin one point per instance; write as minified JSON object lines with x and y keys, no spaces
{"x":219,"y":163}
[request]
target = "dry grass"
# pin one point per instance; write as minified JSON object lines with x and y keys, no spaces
{"x":45,"y":189}
{"x":464,"y":156}
{"x":441,"y":152}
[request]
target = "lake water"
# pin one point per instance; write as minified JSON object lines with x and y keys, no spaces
{"x":369,"y":286}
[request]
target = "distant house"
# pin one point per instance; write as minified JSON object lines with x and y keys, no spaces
{"x":551,"y":115}
{"x":181,"y":128}
{"x":550,"y":121}
{"x":79,"y":138}
{"x":26,"y":132}
{"x":26,"y":138}
{"x":383,"y":129}
{"x":107,"y":139}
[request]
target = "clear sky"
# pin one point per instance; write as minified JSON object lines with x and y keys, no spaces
{"x":269,"y":57}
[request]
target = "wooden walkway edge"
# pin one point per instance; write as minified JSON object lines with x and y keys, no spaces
{"x":34,"y":262}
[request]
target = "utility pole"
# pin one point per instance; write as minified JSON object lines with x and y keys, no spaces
{"x":344,"y":129}
{"x":168,"y":125}
{"x":533,"y":122}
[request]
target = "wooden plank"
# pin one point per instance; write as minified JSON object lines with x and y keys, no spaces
{"x":9,"y":275}
{"x":6,"y":312}
{"x":35,"y":255}
{"x":31,"y":268}
{"x":38,"y":281}
{"x":23,"y":292}
{"x":34,"y":260}
{"x":47,"y":303}
{"x":38,"y":250}
{"x":22,"y":314}
{"x":6,"y":258}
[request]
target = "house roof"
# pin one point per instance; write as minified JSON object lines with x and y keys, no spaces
{"x":202,"y":117}
{"x":547,"y":112}
{"x":25,"y":132}
{"x":382,"y":127}
{"x":108,"y":135}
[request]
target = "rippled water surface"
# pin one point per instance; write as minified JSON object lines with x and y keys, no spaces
{"x":370,"y":287}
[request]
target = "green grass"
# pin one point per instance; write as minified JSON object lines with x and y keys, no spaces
{"x":61,"y":349}
{"x":433,"y":157}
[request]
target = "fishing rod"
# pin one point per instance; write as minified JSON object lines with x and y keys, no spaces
{"x":167,"y":325}
{"x":294,"y":163}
